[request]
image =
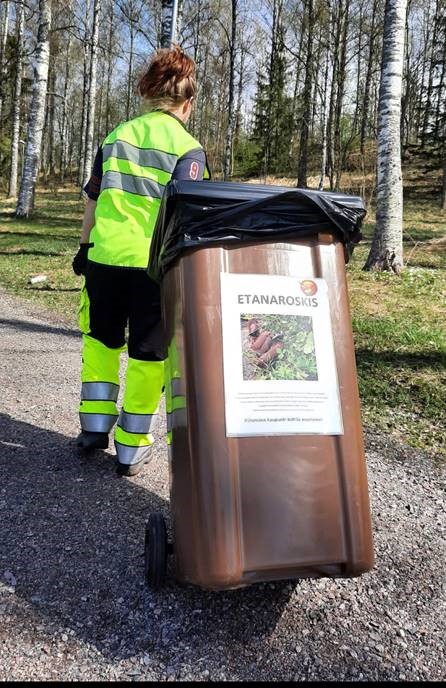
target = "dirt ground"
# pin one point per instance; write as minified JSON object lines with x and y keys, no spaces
{"x":73,"y":603}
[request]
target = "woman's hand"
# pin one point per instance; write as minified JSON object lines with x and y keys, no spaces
{"x":80,"y":259}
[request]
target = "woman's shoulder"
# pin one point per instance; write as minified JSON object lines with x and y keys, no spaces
{"x":127,"y":131}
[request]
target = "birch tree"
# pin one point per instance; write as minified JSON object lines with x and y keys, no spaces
{"x":305,"y":126}
{"x":368,"y":79}
{"x":169,"y":21}
{"x":91,"y":100}
{"x":386,"y":252}
{"x":4,"y":25}
{"x":64,"y":119}
{"x":324,"y":104}
{"x":227,"y":170}
{"x":20,"y":21}
{"x":25,"y":201}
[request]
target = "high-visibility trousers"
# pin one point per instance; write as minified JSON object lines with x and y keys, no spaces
{"x":111,"y":298}
{"x":174,"y":391}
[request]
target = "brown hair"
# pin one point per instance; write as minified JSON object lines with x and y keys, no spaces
{"x":168,"y":80}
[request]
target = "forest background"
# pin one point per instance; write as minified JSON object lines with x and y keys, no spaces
{"x":294,"y":84}
{"x":288,"y":93}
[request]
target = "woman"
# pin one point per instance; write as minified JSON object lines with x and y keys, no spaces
{"x":131,"y":170}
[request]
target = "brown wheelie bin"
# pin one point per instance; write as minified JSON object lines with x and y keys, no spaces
{"x":267,"y":469}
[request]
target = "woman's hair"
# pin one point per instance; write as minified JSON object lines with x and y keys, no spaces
{"x":168,"y":80}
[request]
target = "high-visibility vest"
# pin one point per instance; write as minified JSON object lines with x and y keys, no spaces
{"x":139,"y":157}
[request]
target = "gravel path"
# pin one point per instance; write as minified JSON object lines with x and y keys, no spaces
{"x":73,"y":604}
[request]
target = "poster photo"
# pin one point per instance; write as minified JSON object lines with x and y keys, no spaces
{"x":278,"y":356}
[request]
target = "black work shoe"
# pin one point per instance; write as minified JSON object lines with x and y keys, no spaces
{"x":130,"y":469}
{"x":92,"y":440}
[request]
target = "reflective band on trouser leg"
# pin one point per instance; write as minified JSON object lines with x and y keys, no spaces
{"x":143,"y":385}
{"x":100,"y":385}
{"x":177,"y":414}
{"x":168,"y":397}
{"x":173,"y":386}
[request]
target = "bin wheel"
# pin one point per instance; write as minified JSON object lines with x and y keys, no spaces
{"x":155,"y":551}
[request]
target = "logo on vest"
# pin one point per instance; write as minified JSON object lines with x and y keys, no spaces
{"x":193,"y":172}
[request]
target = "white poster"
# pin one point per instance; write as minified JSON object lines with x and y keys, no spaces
{"x":278,"y":356}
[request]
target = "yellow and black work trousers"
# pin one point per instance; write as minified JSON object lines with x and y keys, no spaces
{"x":111,"y":299}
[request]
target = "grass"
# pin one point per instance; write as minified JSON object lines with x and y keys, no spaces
{"x":46,"y":245}
{"x":398,"y":322}
{"x":399,"y":331}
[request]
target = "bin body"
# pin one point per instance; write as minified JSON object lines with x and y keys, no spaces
{"x":249,"y":509}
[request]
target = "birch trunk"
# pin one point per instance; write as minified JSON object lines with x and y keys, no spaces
{"x":91,"y":102}
{"x":386,"y":252}
{"x":20,"y":20}
{"x":179,"y":25}
{"x":337,"y":25}
{"x":340,"y":96}
{"x":443,"y":190}
{"x":111,"y":35}
{"x":426,"y":34}
{"x":36,"y":114}
{"x":64,"y":141}
{"x":305,"y":126}
{"x":130,"y":72}
{"x":430,"y":82}
{"x":169,"y":22}
{"x":99,"y":127}
{"x":440,"y":109}
{"x":356,"y":117}
{"x":85,"y":73}
{"x":368,"y":81}
{"x":50,"y":172}
{"x":3,"y":39}
{"x":227,"y":170}
{"x":324,"y":107}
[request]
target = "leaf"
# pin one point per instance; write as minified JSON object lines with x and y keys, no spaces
{"x":308,"y":347}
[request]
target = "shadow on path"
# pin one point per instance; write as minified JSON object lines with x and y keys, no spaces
{"x":26,"y":326}
{"x":73,"y":536}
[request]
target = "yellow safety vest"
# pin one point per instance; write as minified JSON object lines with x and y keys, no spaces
{"x":139,"y":158}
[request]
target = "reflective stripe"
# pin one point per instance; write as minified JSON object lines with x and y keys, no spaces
{"x":140,"y":423}
{"x":128,"y":182}
{"x":146,"y":157}
{"x":176,"y":386}
{"x":176,"y":418}
{"x":131,"y":455}
{"x":97,"y":422}
{"x":99,"y":391}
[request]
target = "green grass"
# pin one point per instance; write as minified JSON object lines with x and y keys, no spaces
{"x":46,"y":245}
{"x":398,"y":322}
{"x":400,"y":334}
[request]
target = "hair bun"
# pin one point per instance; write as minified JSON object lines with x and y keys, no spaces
{"x":170,"y":74}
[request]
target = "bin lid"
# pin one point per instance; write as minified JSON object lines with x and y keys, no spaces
{"x":198,"y":214}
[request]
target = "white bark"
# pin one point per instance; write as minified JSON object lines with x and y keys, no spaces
{"x":386,"y":252}
{"x":37,"y":113}
{"x":91,"y":104}
{"x":81,"y":165}
{"x":3,"y":38}
{"x":227,"y":171}
{"x":324,"y":107}
{"x":130,"y":71}
{"x":110,"y":65}
{"x":169,"y":22}
{"x":64,"y":127}
{"x":20,"y":21}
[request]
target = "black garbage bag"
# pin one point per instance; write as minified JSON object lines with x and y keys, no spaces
{"x":195,"y":214}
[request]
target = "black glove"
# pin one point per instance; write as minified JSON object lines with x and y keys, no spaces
{"x":80,"y":259}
